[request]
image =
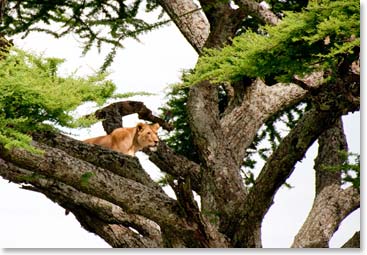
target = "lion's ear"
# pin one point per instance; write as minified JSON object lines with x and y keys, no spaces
{"x":140,"y":126}
{"x":155,"y":126}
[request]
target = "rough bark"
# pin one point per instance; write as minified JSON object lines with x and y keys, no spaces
{"x":122,"y":165}
{"x":259,"y":102}
{"x":224,"y":22}
{"x":354,"y":241}
{"x":176,"y":165}
{"x":259,"y":11}
{"x":137,"y":199}
{"x":189,"y":19}
{"x":222,"y":187}
{"x":330,"y":207}
{"x":332,"y":203}
{"x":112,"y":114}
{"x":291,"y":150}
{"x":93,"y":213}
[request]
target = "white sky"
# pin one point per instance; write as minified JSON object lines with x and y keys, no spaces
{"x":29,"y":220}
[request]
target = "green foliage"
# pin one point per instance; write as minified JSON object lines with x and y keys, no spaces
{"x":33,"y":96}
{"x":96,"y":22}
{"x":181,"y":138}
{"x":317,"y":38}
{"x":349,"y":168}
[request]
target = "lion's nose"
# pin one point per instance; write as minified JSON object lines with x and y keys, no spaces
{"x":156,"y":142}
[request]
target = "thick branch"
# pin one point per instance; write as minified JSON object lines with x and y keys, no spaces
{"x":176,"y":165}
{"x":259,"y":103}
{"x":258,"y":11}
{"x":332,"y":204}
{"x":95,"y":214}
{"x":277,"y":169}
{"x":113,"y":113}
{"x":330,"y":207}
{"x":135,"y":198}
{"x":204,"y":118}
{"x":189,"y":19}
{"x":331,"y":142}
{"x":116,"y":235}
{"x":281,"y":164}
{"x":122,"y":165}
{"x":224,"y":22}
{"x":222,"y":187}
{"x":132,"y":197}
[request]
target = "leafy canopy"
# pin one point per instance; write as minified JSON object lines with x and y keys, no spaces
{"x":316,"y":38}
{"x":33,"y":96}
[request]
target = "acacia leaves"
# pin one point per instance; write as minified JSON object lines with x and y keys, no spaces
{"x":32,"y":95}
{"x":316,"y":38}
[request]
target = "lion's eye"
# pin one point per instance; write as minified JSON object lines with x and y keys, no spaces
{"x":148,"y":133}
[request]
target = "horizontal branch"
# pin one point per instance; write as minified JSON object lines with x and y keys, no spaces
{"x":133,"y":197}
{"x":112,"y":114}
{"x":94,"y":214}
{"x":122,"y":165}
{"x":103,"y":188}
{"x":117,"y":236}
{"x":90,"y":210}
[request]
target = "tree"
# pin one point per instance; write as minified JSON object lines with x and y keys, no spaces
{"x":256,"y":64}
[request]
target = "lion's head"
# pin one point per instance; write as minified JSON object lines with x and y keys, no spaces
{"x":146,"y":135}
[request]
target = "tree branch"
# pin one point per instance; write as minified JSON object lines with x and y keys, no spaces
{"x":223,"y":190}
{"x":132,"y":197}
{"x":281,"y":163}
{"x":176,"y":165}
{"x":330,"y":207}
{"x":204,"y":118}
{"x":189,"y":19}
{"x":332,"y":204}
{"x":91,"y":212}
{"x":136,"y":198}
{"x":258,"y":11}
{"x":122,"y":165}
{"x":276,"y":170}
{"x":260,"y":101}
{"x":224,"y":22}
{"x":331,"y":142}
{"x":354,"y":241}
{"x":112,"y":114}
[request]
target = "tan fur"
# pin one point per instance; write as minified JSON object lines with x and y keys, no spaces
{"x":129,"y":140}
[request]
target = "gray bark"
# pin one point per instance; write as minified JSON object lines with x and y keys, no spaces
{"x":332,"y":203}
{"x":189,"y":19}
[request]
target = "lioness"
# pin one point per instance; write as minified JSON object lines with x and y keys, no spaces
{"x":129,"y":140}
